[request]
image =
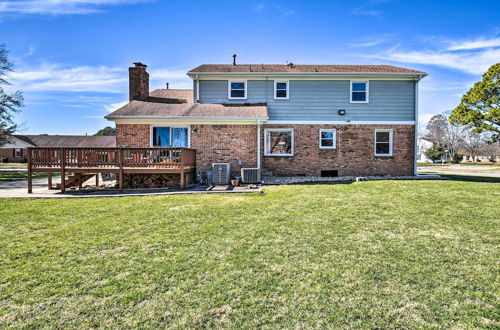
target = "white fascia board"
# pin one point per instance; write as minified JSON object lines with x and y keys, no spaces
{"x":192,"y":120}
{"x":310,"y":75}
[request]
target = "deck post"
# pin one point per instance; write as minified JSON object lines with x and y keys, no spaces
{"x":30,"y":174}
{"x":62,"y":159}
{"x":49,"y":180}
{"x":97,"y":180}
{"x":120,"y":174}
{"x":182,"y":183}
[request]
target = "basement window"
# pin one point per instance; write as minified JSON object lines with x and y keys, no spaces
{"x":278,"y":142}
{"x":237,"y":89}
{"x":327,"y":139}
{"x":359,"y":91}
{"x":383,"y":142}
{"x":281,"y":90}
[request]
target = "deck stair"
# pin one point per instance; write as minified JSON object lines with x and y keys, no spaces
{"x":77,"y":179}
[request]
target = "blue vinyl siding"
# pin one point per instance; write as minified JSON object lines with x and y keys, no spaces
{"x":320,"y":100}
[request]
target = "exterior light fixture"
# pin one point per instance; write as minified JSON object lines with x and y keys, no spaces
{"x":341,"y":112}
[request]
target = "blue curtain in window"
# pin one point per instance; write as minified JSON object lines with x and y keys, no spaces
{"x":179,"y":137}
{"x":162,"y":137}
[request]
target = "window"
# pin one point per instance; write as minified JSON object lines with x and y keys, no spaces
{"x":278,"y":142}
{"x":281,"y":90}
{"x":327,"y":139}
{"x":359,"y":91}
{"x":237,"y":89}
{"x":170,"y":137}
{"x":383,"y":142}
{"x":18,"y":152}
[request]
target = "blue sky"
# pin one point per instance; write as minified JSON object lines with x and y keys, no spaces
{"x":72,"y":56}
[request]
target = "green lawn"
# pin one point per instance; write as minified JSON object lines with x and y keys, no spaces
{"x":7,"y":176}
{"x":387,"y":254}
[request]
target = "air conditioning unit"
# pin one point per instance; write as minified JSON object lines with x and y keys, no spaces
{"x":221,"y":173}
{"x":250,"y":175}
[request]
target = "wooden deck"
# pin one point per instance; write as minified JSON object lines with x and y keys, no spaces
{"x":119,"y":160}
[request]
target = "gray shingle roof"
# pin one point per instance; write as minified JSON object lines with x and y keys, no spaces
{"x":190,"y":110}
{"x":299,"y":68}
{"x":68,"y":140}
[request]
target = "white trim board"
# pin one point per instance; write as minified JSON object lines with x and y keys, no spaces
{"x":338,"y":122}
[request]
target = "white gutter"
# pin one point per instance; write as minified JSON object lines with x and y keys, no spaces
{"x":258,"y":144}
{"x":420,"y":75}
{"x":187,"y":118}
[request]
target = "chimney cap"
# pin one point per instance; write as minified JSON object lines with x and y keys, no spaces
{"x":139,"y":64}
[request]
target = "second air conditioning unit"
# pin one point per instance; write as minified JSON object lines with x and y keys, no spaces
{"x":221,"y":173}
{"x":250,"y":175}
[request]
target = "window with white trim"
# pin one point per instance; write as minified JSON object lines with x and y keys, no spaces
{"x":383,"y":142}
{"x":170,"y":136}
{"x":359,"y":91}
{"x":18,"y":152}
{"x":237,"y":89}
{"x":278,"y":142}
{"x":327,"y":138}
{"x":281,"y":90}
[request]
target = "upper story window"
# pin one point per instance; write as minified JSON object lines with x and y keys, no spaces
{"x":327,"y":139}
{"x":237,"y":89}
{"x":281,"y":90}
{"x":359,"y":91}
{"x":278,"y":142}
{"x":383,"y":142}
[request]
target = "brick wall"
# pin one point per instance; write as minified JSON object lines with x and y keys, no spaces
{"x":354,"y":154}
{"x":9,"y":154}
{"x":225,"y":144}
{"x":133,"y":135}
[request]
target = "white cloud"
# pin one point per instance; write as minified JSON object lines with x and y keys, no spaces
{"x":58,"y":7}
{"x":473,"y":62}
{"x":114,"y":106}
{"x":474,"y":44}
{"x":55,"y":77}
{"x":99,"y":79}
{"x":359,"y":11}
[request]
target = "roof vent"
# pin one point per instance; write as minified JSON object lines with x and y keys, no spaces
{"x":234,"y":59}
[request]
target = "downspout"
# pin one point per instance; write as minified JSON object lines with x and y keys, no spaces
{"x":258,"y":144}
{"x":416,"y":130}
{"x":197,"y":88}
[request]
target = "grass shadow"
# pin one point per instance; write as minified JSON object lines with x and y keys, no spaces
{"x":471,"y":178}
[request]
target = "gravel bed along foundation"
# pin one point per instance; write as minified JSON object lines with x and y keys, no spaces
{"x":275,"y":180}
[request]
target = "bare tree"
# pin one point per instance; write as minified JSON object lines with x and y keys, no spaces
{"x":435,"y":129}
{"x":454,"y":138}
{"x":472,"y":143}
{"x":448,"y":136}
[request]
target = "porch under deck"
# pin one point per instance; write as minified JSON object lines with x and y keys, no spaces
{"x":120,"y":160}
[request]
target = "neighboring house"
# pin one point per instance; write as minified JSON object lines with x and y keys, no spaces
{"x":15,"y":150}
{"x":423,"y":146}
{"x":485,"y":153}
{"x":319,"y":120}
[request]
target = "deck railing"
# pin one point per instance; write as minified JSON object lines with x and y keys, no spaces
{"x":120,"y":160}
{"x":111,"y":157}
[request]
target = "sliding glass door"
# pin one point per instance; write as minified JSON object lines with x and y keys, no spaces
{"x":170,"y":137}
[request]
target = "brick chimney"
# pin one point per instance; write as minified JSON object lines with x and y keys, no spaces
{"x":138,"y":82}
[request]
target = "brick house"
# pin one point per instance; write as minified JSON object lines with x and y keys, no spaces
{"x":318,"y":120}
{"x":15,"y":151}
